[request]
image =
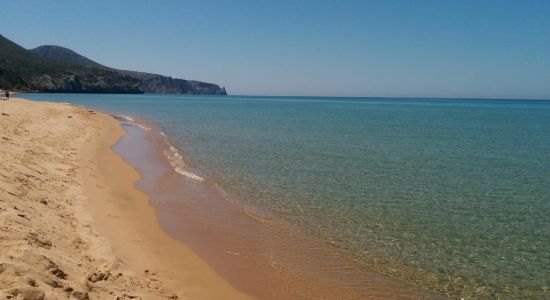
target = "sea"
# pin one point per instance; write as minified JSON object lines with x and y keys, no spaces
{"x":449,"y":195}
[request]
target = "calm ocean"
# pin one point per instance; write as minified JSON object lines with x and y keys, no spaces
{"x":451,"y":195}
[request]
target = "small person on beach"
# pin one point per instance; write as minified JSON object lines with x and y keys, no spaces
{"x":7,"y":93}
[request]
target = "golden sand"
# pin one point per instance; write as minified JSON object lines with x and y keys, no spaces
{"x":72,"y":224}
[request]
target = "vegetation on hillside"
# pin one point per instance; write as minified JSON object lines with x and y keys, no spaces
{"x":22,"y":70}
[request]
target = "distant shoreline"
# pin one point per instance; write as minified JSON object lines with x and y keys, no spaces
{"x":55,"y":69}
{"x":80,"y":92}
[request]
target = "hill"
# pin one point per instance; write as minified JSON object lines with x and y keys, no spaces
{"x":149,"y":83}
{"x":63,"y":54}
{"x":20,"y":69}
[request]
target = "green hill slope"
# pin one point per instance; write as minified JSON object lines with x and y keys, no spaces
{"x":23,"y":70}
{"x":62,"y":54}
{"x":149,"y":83}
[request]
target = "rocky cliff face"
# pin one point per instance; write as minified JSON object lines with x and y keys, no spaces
{"x":149,"y":83}
{"x":70,"y":81}
{"x":158,"y":84}
{"x":22,"y":70}
{"x":83,"y":82}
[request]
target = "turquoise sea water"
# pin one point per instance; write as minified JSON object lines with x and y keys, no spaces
{"x":450,"y":194}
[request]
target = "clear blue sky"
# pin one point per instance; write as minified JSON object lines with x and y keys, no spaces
{"x":438,"y":48}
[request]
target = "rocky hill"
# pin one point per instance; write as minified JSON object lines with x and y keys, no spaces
{"x":20,"y":69}
{"x":63,"y":54}
{"x":149,"y":83}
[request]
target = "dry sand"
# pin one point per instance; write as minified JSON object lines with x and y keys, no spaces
{"x":72,"y":224}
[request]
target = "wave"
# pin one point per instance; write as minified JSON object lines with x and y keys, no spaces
{"x":127,"y":118}
{"x":177,"y":162}
{"x":132,"y":121}
{"x":171,"y":153}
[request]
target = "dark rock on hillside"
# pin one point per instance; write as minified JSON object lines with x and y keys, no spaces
{"x":84,"y":82}
{"x":149,"y":83}
{"x":20,"y":69}
{"x":158,"y":84}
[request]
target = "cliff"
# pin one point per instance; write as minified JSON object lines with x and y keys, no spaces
{"x":148,"y":82}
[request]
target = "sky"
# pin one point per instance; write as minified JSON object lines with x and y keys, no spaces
{"x":391,"y":48}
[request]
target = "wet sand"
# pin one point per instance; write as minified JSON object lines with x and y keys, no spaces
{"x":72,"y":224}
{"x":78,"y":220}
{"x":257,"y":254}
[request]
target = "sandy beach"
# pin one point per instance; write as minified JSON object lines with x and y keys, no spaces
{"x":288,"y":150}
{"x":72,"y":224}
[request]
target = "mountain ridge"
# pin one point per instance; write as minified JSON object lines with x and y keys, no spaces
{"x":52,"y":68}
{"x":150,"y":82}
{"x":63,"y":54}
{"x":22,"y":70}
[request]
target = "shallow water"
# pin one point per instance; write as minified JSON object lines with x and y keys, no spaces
{"x":266,"y":259}
{"x":451,"y":195}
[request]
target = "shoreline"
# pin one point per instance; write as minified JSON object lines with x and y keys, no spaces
{"x":220,"y":249}
{"x":70,"y":222}
{"x":260,"y":256}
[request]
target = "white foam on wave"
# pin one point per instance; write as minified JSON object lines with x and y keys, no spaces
{"x":143,"y":126}
{"x":133,"y":122}
{"x":127,"y":118}
{"x":172,"y":153}
{"x":176,"y":160}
